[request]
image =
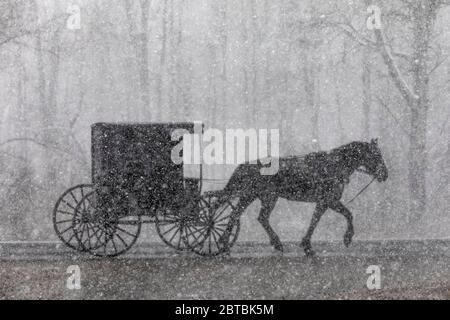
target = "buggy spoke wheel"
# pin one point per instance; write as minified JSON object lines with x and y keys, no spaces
{"x":105,"y":233}
{"x":65,"y":222}
{"x":203,"y":234}
{"x":171,"y":229}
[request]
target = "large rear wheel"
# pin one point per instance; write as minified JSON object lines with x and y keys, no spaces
{"x":106,"y":231}
{"x":65,"y":220}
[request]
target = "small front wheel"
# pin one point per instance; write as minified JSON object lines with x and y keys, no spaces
{"x":170,"y":225}
{"x":204,"y":233}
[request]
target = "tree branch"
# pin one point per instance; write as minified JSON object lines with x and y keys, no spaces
{"x":42,"y":144}
{"x":438,"y":64}
{"x":406,"y":92}
{"x":385,"y":106}
{"x":349,"y":30}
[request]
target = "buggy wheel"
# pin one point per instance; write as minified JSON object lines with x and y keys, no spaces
{"x":204,"y":232}
{"x":170,"y":226}
{"x":105,"y":232}
{"x":64,"y":215}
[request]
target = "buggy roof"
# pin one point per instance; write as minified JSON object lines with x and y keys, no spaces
{"x":156,"y":124}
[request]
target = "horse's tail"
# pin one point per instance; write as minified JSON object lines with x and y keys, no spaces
{"x":240,"y":181}
{"x":226,"y":193}
{"x":230,"y":191}
{"x":239,"y":184}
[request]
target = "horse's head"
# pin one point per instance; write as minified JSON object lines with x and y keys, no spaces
{"x":374,"y":163}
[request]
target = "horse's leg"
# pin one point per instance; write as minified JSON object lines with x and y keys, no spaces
{"x":306,"y":242}
{"x":340,"y":208}
{"x":267,"y":205}
{"x":242,"y":204}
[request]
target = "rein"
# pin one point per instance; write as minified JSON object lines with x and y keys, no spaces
{"x":361,"y":191}
{"x":221,"y":181}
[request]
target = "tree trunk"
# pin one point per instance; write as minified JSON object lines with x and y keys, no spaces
{"x":224,"y":48}
{"x":424,"y":17}
{"x":54,"y":78}
{"x":309,"y":79}
{"x":338,"y":101}
{"x":254,"y":27}
{"x":42,"y":87}
{"x":144,"y":75}
{"x":366,"y":87}
{"x":162,"y":61}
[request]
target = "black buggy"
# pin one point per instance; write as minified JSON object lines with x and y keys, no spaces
{"x":135,"y":181}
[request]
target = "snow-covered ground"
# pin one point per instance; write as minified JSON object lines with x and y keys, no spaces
{"x":408,"y":269}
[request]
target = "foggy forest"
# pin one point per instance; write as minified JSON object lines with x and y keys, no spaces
{"x":312,"y":69}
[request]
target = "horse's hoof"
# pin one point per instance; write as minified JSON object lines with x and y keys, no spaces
{"x":348,"y":239}
{"x":224,"y":251}
{"x":278,"y":247}
{"x":309,"y":252}
{"x":223,"y":247}
{"x":347,"y":242}
{"x":306,"y":243}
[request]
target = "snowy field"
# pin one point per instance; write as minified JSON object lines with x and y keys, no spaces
{"x":409,"y":269}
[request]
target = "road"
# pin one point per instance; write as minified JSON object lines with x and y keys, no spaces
{"x":409,"y":269}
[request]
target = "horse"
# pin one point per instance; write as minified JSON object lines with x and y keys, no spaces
{"x":318,"y":177}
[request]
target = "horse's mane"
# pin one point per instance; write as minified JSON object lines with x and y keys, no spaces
{"x":332,"y":164}
{"x":352,"y":149}
{"x":348,"y":149}
{"x":316,"y":157}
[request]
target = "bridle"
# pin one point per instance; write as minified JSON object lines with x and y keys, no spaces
{"x":362,"y":170}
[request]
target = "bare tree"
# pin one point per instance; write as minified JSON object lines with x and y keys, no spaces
{"x":421,"y":16}
{"x":140,"y":41}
